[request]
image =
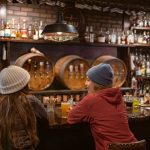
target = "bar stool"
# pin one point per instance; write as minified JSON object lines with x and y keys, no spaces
{"x":138,"y":145}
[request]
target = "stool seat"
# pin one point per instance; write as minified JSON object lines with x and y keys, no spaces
{"x":138,"y":145}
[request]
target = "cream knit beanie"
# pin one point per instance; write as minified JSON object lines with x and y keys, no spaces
{"x":13,"y":79}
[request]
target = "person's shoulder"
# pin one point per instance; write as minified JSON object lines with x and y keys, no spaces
{"x":37,"y":106}
{"x":33,"y":99}
{"x":89,"y":97}
{"x":35,"y":102}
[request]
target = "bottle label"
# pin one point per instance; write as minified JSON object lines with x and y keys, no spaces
{"x":7,"y":33}
{"x":24,"y":33}
{"x":2,"y":33}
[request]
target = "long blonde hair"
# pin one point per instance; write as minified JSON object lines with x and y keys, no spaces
{"x":11,"y":106}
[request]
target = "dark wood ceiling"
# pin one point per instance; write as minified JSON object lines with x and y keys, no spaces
{"x":143,"y":5}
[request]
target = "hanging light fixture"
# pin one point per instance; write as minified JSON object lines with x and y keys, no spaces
{"x":60,"y":31}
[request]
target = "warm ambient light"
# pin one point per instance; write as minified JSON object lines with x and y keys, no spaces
{"x":60,"y":31}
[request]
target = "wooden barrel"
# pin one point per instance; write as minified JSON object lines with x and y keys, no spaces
{"x":119,"y":68}
{"x":71,"y":71}
{"x":40,"y":68}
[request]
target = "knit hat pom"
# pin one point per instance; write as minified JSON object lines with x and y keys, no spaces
{"x":101,"y":74}
{"x":13,"y":79}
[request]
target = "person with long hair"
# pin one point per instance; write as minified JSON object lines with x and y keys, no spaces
{"x":22,"y":116}
{"x":103,"y":108}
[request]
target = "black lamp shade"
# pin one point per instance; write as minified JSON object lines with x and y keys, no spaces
{"x":59,"y":27}
{"x":60,"y":31}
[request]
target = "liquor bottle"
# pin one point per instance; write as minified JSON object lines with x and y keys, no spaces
{"x":36,"y":31}
{"x":148,"y":37}
{"x":137,"y":70}
{"x":144,"y":38}
{"x":18,"y":32}
{"x":143,"y":68}
{"x":133,"y":83}
{"x":2,"y":29}
{"x":135,"y":36}
{"x":132,"y":61}
{"x":87,"y":36}
{"x":91,"y":35}
{"x":130,"y":37}
{"x":13,"y":30}
{"x":113,"y":37}
{"x":24,"y":34}
{"x":7,"y":30}
{"x":30,"y":31}
{"x":107,"y":36}
{"x":40,"y":30}
{"x":123,"y":38}
{"x":145,"y":21}
{"x":140,"y":38}
{"x":148,"y":69}
{"x":118,"y":38}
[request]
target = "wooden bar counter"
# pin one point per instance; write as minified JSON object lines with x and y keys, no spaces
{"x":62,"y":136}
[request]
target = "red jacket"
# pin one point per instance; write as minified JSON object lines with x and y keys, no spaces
{"x":105,"y":111}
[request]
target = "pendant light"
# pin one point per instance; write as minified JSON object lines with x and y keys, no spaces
{"x":60,"y":31}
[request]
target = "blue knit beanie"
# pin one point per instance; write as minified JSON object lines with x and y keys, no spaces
{"x":101,"y":74}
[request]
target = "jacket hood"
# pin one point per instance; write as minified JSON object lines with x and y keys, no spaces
{"x":111,"y":95}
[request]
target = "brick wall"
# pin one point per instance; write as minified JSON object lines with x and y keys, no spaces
{"x":31,"y":13}
{"x":103,"y":20}
{"x":48,"y":15}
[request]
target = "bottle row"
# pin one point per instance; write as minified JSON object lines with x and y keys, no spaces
{"x":115,"y":37}
{"x":142,"y":88}
{"x":140,"y":63}
{"x":59,"y":98}
{"x":42,"y":68}
{"x":136,"y":100}
{"x":140,"y":20}
{"x":21,"y":30}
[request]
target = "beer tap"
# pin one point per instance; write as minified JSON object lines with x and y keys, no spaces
{"x":35,"y":69}
{"x":47,"y":68}
{"x":41,"y":69}
{"x":76,"y":71}
{"x":82,"y":71}
{"x":29,"y":65}
{"x":71,"y":71}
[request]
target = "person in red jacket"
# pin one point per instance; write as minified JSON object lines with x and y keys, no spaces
{"x":103,"y":107}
